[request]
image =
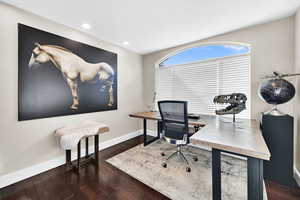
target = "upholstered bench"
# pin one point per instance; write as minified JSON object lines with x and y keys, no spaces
{"x":70,"y":136}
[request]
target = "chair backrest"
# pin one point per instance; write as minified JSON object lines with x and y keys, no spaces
{"x":174,"y":117}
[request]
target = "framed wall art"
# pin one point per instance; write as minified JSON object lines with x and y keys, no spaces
{"x":58,"y":76}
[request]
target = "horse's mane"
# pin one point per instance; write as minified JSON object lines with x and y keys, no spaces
{"x":58,"y":47}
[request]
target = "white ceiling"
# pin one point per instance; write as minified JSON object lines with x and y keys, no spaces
{"x":151,"y":25}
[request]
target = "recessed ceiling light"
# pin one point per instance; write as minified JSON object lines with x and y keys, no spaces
{"x":126,"y":43}
{"x":86,"y":26}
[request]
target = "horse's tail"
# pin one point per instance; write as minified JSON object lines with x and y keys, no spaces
{"x":105,"y":71}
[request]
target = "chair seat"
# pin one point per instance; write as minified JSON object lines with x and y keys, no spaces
{"x":175,"y":141}
{"x":191,"y":132}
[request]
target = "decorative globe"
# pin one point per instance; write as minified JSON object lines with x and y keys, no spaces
{"x":276,"y":91}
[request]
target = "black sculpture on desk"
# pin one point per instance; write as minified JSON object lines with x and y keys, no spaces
{"x":237,"y":103}
{"x":276,"y":90}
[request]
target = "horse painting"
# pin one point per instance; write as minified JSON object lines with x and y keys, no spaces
{"x":73,"y":69}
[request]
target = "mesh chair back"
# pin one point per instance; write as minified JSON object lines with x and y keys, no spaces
{"x":174,"y":118}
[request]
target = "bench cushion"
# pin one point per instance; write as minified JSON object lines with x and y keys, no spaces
{"x":69,"y":136}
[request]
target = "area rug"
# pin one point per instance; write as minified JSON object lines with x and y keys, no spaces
{"x":144,"y":164}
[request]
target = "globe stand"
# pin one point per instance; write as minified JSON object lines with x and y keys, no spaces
{"x":274,"y":111}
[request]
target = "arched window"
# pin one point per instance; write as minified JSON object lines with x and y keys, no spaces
{"x":200,"y":73}
{"x":201,"y":53}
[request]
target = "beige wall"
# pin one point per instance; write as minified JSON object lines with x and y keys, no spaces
{"x":271,"y":47}
{"x":23,"y":144}
{"x":297,"y":98}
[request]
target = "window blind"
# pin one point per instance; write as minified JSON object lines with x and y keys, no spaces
{"x":198,"y":83}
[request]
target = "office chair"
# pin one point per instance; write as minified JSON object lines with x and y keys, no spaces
{"x":175,"y":128}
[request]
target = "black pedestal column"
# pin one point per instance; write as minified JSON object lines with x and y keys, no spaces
{"x":278,"y":132}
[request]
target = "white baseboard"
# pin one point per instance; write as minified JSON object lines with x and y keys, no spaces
{"x":28,"y":172}
{"x":297,"y":176}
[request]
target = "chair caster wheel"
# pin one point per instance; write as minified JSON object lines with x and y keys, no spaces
{"x":164,"y":165}
{"x":162,"y":154}
{"x":188,"y":169}
{"x":195,"y":159}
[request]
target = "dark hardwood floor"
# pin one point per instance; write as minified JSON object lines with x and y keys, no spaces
{"x":105,"y":182}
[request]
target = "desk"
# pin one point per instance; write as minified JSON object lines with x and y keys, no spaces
{"x":243,"y":138}
{"x":156,"y":117}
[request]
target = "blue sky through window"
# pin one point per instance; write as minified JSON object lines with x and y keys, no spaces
{"x":203,"y":53}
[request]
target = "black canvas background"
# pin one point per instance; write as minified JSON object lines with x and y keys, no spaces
{"x":43,"y":92}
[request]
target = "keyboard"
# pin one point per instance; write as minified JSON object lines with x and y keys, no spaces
{"x":193,"y":116}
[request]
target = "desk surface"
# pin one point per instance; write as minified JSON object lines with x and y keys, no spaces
{"x":243,"y":137}
{"x":156,"y":116}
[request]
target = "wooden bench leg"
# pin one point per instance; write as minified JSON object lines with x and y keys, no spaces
{"x":68,"y":158}
{"x":78,"y":155}
{"x":77,"y":166}
{"x":87,"y":147}
{"x":96,"y":148}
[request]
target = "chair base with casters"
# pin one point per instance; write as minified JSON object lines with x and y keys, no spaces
{"x":179,"y":153}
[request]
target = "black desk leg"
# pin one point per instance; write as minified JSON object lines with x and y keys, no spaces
{"x":145,"y":131}
{"x":255,"y":179}
{"x":146,"y":142}
{"x":159,"y":128}
{"x":216,"y":174}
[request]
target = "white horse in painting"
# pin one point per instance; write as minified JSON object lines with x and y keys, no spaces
{"x":73,"y":68}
